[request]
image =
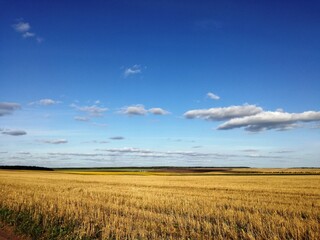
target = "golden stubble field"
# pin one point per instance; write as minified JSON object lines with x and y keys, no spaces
{"x":71,"y":206}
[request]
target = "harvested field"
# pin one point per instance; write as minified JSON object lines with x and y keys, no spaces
{"x":60,"y":205}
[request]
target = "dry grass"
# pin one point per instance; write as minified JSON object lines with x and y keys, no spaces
{"x":166,"y":207}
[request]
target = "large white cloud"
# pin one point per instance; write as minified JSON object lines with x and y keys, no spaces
{"x":223,"y":113}
{"x":7,"y":108}
{"x":270,"y":120}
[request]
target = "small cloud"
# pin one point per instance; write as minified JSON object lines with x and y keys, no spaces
{"x":45,"y":102}
{"x":54,"y":141}
{"x":213,"y":96}
{"x":7,"y":108}
{"x":28,"y":35}
{"x":14,"y":132}
{"x":39,"y":39}
{"x":100,"y":124}
{"x":82,"y":119}
{"x":135,"y":69}
{"x":117,"y":138}
{"x":158,"y":111}
{"x":139,"y":109}
{"x":134,"y":110}
{"x":94,"y":110}
{"x":21,"y":27}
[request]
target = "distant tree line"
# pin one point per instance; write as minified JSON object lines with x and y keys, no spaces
{"x":26,"y":168}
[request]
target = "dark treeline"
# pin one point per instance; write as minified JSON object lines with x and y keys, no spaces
{"x":26,"y":168}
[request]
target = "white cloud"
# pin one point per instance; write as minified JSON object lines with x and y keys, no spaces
{"x":7,"y":108}
{"x":93,"y":110}
{"x":224,"y":113}
{"x":54,"y":141}
{"x":81,"y":119}
{"x":126,"y":150}
{"x":21,"y":27}
{"x":135,"y":69}
{"x":28,"y":35}
{"x":134,"y":110}
{"x":213,"y":96}
{"x":13,"y":132}
{"x":270,"y":120}
{"x":158,"y":111}
{"x":76,"y":154}
{"x":45,"y":102}
{"x":139,"y":109}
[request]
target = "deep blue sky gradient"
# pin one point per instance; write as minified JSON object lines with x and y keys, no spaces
{"x":257,"y":52}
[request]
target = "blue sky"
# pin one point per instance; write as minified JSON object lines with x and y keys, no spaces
{"x":145,"y":83}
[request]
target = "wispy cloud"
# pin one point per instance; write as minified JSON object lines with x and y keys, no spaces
{"x":13,"y":132}
{"x":93,"y":111}
{"x":135,"y":69}
{"x":24,"y":28}
{"x":100,"y":124}
{"x":54,"y":141}
{"x":223,"y":113}
{"x":125,"y":150}
{"x":250,"y":150}
{"x":7,"y":108}
{"x":81,"y":119}
{"x":213,"y":96}
{"x":45,"y":102}
{"x":283,"y":151}
{"x":117,"y":138}
{"x":76,"y":154}
{"x":186,"y":155}
{"x":270,"y":120}
{"x":24,"y":153}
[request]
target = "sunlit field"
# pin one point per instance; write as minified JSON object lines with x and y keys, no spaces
{"x":144,"y":205}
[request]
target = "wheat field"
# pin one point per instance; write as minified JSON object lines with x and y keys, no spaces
{"x":58,"y":205}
